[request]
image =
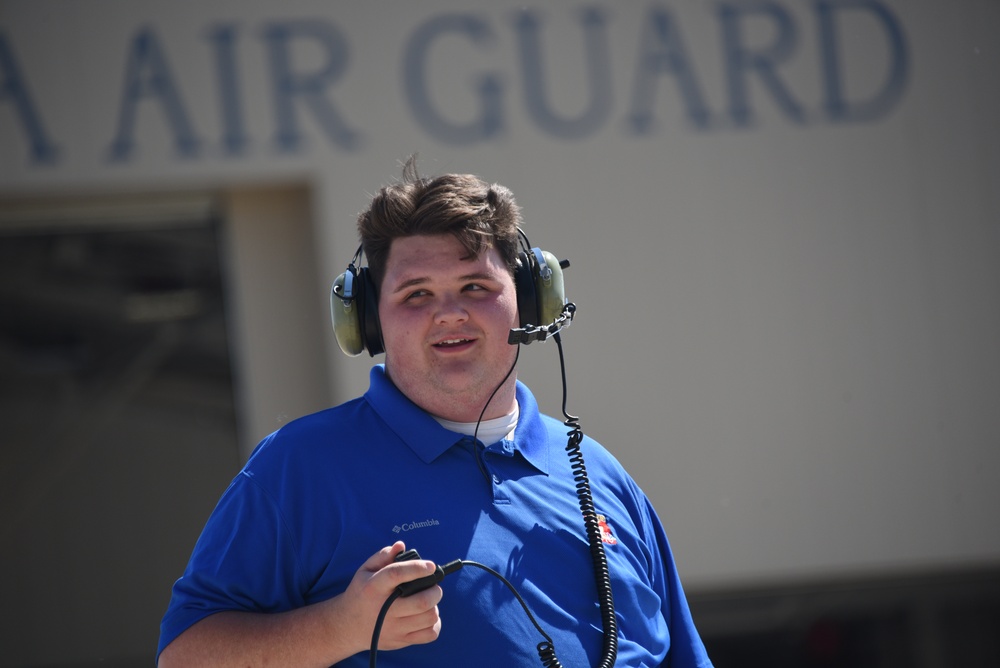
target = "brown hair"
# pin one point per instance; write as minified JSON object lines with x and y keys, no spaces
{"x":479,"y":214}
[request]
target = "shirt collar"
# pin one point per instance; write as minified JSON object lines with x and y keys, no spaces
{"x":429,"y":440}
{"x":413,"y":425}
{"x":531,"y":437}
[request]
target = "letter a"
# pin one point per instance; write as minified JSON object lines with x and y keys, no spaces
{"x":148,"y":75}
{"x":14,"y":89}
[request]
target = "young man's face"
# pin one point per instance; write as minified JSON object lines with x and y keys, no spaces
{"x":445,"y":322}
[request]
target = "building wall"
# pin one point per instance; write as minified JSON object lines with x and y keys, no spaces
{"x":782,"y":220}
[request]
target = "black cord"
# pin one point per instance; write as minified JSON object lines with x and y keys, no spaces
{"x":475,"y":433}
{"x":373,"y":652}
{"x":602,"y":575}
{"x":544,"y":648}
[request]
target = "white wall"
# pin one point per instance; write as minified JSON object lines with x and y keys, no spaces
{"x":784,"y":241}
{"x":276,"y":328}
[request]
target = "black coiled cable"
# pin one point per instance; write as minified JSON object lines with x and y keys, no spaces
{"x":602,"y":576}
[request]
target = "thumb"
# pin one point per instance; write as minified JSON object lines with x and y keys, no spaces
{"x":383,"y":557}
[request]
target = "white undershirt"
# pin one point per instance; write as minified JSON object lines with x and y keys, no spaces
{"x":490,"y":431}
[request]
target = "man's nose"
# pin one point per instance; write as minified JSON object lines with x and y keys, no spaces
{"x":450,"y":309}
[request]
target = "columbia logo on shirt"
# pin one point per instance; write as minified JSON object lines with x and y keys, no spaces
{"x":410,"y":526}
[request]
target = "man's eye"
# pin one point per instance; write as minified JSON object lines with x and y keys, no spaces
{"x":415,"y":294}
{"x":471,"y":287}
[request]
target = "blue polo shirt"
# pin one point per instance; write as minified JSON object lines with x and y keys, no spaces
{"x":322,"y":494}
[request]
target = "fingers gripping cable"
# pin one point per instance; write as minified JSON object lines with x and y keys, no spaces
{"x":546,"y":651}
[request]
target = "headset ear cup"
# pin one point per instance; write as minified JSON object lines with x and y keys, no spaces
{"x":524,"y":283}
{"x":371,"y":328}
{"x":550,"y":291}
{"x":344,"y":313}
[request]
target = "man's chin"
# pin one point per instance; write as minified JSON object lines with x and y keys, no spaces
{"x":474,"y":395}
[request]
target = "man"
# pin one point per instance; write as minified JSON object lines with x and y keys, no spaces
{"x":447,"y":450}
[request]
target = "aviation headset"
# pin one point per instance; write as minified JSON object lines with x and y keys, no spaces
{"x":538,"y":280}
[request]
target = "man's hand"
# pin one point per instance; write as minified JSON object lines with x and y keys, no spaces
{"x":412,"y":620}
{"x":320,"y":634}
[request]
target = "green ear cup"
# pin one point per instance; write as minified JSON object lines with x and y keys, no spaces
{"x":345,"y":316}
{"x":550,"y":289}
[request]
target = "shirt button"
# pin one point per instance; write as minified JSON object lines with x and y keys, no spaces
{"x":496,"y":479}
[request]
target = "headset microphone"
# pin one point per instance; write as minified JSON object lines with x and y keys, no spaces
{"x":531,"y":333}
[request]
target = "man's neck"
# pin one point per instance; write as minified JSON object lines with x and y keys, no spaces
{"x":487,"y":431}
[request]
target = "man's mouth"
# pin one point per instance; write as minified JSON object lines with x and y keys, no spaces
{"x":450,"y":343}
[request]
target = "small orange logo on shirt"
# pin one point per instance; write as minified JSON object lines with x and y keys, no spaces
{"x":607,"y":537}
